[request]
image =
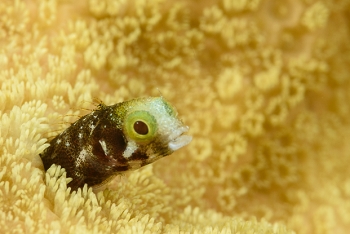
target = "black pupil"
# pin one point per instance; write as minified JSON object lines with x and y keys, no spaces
{"x":140,"y":127}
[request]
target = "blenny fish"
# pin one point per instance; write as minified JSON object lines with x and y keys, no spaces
{"x":117,"y":138}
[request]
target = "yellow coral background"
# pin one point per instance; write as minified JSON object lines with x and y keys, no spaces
{"x":263,"y":84}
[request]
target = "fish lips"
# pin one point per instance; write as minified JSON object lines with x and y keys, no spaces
{"x":178,"y":139}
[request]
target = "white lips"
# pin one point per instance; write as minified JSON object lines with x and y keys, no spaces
{"x":179,"y":140}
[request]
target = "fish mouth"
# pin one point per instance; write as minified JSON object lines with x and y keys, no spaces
{"x":178,"y":139}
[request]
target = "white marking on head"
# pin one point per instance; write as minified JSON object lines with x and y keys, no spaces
{"x":67,"y":143}
{"x":104,"y":146}
{"x":81,"y":158}
{"x":80,"y":135}
{"x":58,"y":141}
{"x":131,"y":147}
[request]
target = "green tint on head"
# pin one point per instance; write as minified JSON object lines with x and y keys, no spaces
{"x":169,"y":108}
{"x":140,"y":126}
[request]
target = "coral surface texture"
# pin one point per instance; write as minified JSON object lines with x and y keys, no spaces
{"x":264,"y":86}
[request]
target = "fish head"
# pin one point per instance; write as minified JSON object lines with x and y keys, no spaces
{"x":152,"y":130}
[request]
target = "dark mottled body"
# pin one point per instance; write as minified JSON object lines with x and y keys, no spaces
{"x":94,"y":148}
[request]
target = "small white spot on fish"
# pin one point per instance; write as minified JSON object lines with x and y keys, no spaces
{"x":81,"y":158}
{"x":78,"y":174}
{"x":92,"y":127}
{"x":104,"y":146}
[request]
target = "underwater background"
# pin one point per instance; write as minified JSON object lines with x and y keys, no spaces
{"x":263,"y":85}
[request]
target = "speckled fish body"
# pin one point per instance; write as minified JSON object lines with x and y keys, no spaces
{"x":116,"y":138}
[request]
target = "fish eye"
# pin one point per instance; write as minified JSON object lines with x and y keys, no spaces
{"x":140,"y":126}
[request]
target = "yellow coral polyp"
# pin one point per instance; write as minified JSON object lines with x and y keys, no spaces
{"x":240,"y":5}
{"x":128,"y":29}
{"x":229,"y":83}
{"x":252,"y":123}
{"x":212,"y":20}
{"x":316,"y":16}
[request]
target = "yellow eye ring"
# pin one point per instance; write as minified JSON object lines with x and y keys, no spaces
{"x":140,"y":126}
